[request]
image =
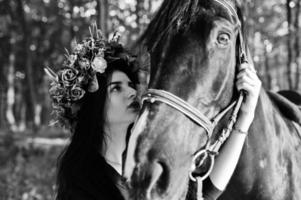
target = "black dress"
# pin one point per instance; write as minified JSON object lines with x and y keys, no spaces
{"x":95,"y":180}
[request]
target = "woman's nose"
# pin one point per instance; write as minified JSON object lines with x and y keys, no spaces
{"x":132,"y":92}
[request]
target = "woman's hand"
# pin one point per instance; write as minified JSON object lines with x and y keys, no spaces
{"x":248,"y":81}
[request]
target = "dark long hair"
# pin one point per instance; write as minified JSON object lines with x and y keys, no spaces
{"x":89,"y":137}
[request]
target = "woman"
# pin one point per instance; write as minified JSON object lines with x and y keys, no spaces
{"x":95,"y":96}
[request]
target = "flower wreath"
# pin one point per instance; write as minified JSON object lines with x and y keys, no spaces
{"x":78,"y":75}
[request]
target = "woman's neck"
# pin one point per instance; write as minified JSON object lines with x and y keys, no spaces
{"x":115,"y":145}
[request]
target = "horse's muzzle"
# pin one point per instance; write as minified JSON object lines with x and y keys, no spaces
{"x":149,"y":180}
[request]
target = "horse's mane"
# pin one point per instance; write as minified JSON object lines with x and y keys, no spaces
{"x":177,"y":15}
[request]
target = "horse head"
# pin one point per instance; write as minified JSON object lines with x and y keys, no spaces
{"x":194,"y":48}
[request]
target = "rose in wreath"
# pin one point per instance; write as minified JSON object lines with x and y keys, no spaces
{"x":76,"y":93}
{"x":68,"y":76}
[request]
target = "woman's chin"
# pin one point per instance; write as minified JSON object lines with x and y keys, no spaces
{"x":133,"y":112}
{"x":132,"y":116}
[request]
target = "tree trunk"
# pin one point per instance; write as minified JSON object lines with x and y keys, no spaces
{"x":250,"y":7}
{"x":11,"y":94}
{"x":150,"y":8}
{"x":8,"y":117}
{"x":2,"y":105}
{"x":72,"y":32}
{"x":29,"y":91}
{"x":138,"y":15}
{"x":297,"y":45}
{"x":102,"y":11}
{"x":5,"y":49}
{"x":140,"y":9}
{"x":289,"y":46}
{"x":267,"y":69}
{"x":3,"y":95}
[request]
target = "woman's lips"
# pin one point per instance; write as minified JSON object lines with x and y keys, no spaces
{"x":135,"y":105}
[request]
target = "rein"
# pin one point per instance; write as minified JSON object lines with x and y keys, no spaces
{"x":210,"y":150}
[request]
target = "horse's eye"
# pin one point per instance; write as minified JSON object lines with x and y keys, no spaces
{"x":223,"y":38}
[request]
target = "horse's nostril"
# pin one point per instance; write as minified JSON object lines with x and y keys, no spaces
{"x":158,"y":179}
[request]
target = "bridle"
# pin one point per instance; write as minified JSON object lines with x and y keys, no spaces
{"x":210,"y":150}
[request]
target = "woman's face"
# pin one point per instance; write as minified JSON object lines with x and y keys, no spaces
{"x":121,"y":105}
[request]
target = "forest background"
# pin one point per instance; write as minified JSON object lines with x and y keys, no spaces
{"x":35,"y":33}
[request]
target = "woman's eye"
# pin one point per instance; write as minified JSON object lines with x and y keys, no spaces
{"x":223,"y":38}
{"x":116,"y":89}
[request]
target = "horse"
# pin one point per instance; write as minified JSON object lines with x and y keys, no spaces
{"x":195,"y":48}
